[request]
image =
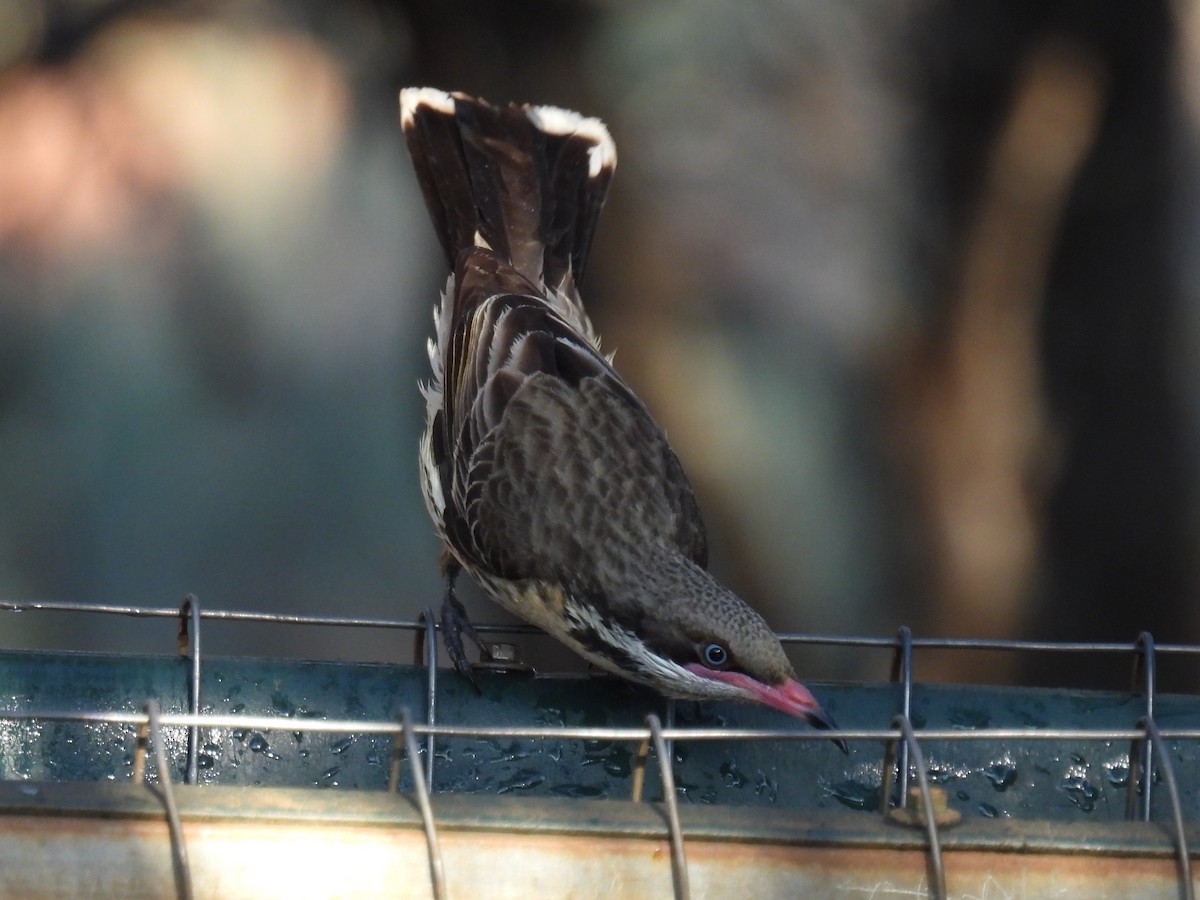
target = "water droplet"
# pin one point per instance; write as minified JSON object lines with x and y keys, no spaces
{"x":1002,"y":775}
{"x":619,"y":763}
{"x":986,"y":809}
{"x":205,"y":761}
{"x":1082,"y":792}
{"x":281,"y":704}
{"x":1118,"y":773}
{"x":373,"y":757}
{"x":731,"y":775}
{"x":693,"y":793}
{"x":341,"y":745}
{"x":764,"y":786}
{"x":521,"y":781}
{"x":583,"y":791}
{"x":855,"y":795}
{"x":237,"y":708}
{"x":970,"y":718}
{"x":511,"y":753}
{"x":331,"y":773}
{"x":962,"y":795}
{"x":939,"y":774}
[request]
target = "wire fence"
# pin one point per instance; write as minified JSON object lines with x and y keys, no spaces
{"x":904,"y":760}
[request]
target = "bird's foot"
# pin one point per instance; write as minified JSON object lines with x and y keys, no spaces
{"x":454,"y":625}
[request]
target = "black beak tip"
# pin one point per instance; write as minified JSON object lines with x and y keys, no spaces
{"x":822,"y":720}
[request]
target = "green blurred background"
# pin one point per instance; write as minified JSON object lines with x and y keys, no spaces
{"x":911,"y":285}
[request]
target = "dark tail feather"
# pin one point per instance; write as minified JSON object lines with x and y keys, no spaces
{"x":576,"y":177}
{"x":502,"y":154}
{"x":527,"y":181}
{"x":436,"y":150}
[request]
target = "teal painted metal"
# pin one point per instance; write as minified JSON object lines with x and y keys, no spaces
{"x":1082,"y":781}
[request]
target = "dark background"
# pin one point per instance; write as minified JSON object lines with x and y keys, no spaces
{"x":911,"y":286}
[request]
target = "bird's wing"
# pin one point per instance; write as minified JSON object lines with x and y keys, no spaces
{"x":546,"y":452}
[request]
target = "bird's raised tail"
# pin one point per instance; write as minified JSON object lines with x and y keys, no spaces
{"x":526,"y":182}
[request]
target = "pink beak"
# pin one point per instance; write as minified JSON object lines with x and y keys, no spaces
{"x":790,"y":697}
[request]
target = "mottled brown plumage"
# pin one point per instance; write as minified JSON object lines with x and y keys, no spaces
{"x":544,"y":474}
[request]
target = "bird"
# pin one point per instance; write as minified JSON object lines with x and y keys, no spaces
{"x":546,"y":478}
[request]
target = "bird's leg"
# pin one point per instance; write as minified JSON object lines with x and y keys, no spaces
{"x":455,"y":624}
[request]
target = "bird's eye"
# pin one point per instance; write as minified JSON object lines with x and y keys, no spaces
{"x":714,"y":655}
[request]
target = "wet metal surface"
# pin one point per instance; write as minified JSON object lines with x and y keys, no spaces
{"x":1068,"y":780}
{"x":531,"y":777}
{"x":1075,"y":780}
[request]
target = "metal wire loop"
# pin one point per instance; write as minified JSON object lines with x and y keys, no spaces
{"x":937,"y":873}
{"x":428,"y":638}
{"x":179,"y":857}
{"x":437,"y":878}
{"x":1154,"y":737}
{"x":669,"y":715}
{"x":1141,"y":753}
{"x":902,"y":672}
{"x":189,"y":646}
{"x":679,"y":873}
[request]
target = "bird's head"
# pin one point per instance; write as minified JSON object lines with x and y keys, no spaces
{"x":702,"y":643}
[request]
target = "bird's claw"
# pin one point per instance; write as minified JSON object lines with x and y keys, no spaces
{"x":454,"y":625}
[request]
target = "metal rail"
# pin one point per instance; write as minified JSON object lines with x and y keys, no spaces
{"x":885,"y":643}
